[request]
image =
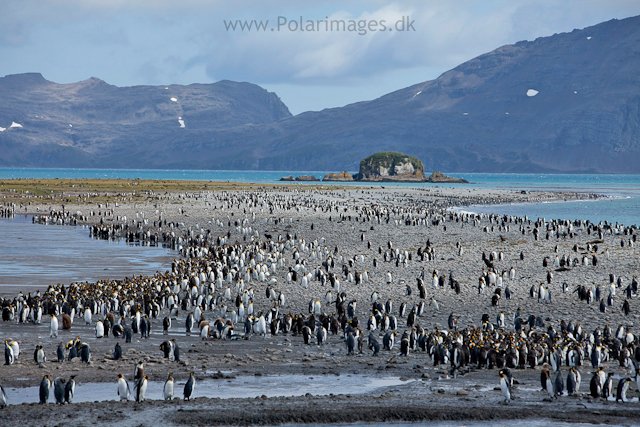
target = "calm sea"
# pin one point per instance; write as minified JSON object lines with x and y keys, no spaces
{"x":623,"y":207}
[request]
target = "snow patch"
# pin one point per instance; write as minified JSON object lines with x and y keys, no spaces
{"x":589,"y":38}
{"x":465,"y":114}
{"x":166,"y":88}
{"x":2,"y":129}
{"x":575,"y":91}
{"x":181,"y":122}
{"x":417,"y":94}
{"x":174,"y":99}
{"x":15,"y":125}
{"x":532,"y":92}
{"x":506,"y":113}
{"x":70,"y":125}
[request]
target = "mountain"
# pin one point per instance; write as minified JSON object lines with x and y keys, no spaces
{"x":565,"y":103}
{"x":477,"y":117}
{"x":94,"y":124}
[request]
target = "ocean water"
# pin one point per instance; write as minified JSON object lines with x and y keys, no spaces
{"x":623,"y":210}
{"x":605,"y":184}
{"x":623,"y":207}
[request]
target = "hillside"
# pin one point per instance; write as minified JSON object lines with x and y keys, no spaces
{"x":585,"y":116}
{"x":94,"y":124}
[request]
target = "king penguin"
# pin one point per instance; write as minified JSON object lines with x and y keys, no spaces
{"x":189,"y":323}
{"x":167,"y":390}
{"x":60,"y":352}
{"x":404,"y":345}
{"x":141,"y":389}
{"x":139,"y":382}
{"x":53,"y":326}
{"x":70,"y":389}
{"x":559,"y":383}
{"x":58,"y":390}
{"x":505,"y":386}
{"x":189,"y":387}
{"x":117,"y":352}
{"x":607,"y":387}
{"x":123,"y":388}
{"x":45,"y":386}
{"x":39,"y":355}
{"x":85,"y":353}
{"x":9,"y":357}
{"x":595,"y":386}
{"x":573,"y":381}
{"x":549,"y":386}
{"x":99,"y":329}
{"x":623,"y":387}
{"x":166,"y":324}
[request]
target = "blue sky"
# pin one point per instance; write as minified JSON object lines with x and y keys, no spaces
{"x":161,"y":42}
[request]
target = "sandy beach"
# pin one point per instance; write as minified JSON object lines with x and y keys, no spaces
{"x":381,"y":231}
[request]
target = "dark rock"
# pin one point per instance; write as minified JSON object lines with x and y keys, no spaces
{"x":441,"y":178}
{"x":341,"y":176}
{"x":306,"y":178}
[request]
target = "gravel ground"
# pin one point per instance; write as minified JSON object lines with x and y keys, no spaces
{"x":429,"y":393}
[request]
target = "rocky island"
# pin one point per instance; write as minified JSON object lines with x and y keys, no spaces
{"x":391,"y":166}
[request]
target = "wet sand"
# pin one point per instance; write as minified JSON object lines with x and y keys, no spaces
{"x":433,"y":395}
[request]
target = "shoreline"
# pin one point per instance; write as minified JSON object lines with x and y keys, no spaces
{"x":516,"y":209}
{"x":460,"y":209}
{"x":317,"y":221}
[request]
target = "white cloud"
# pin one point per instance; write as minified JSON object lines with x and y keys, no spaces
{"x":446,"y":34}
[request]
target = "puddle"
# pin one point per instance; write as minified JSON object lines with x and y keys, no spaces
{"x":240,"y":387}
{"x":521,"y":389}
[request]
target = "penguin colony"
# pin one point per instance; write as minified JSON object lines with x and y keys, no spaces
{"x":244,"y":274}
